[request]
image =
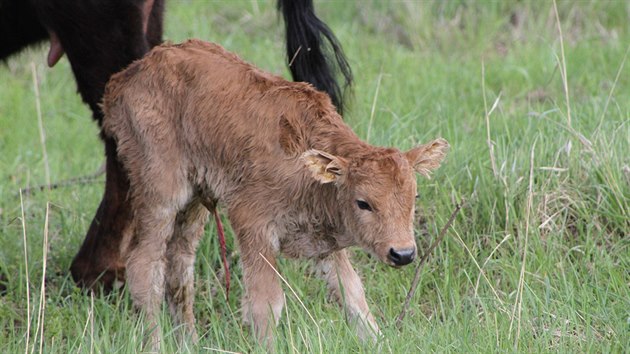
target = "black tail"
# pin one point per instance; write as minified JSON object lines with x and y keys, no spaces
{"x":307,"y":53}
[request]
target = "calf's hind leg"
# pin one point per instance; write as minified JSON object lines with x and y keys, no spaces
{"x":180,"y":257}
{"x":146,"y":262}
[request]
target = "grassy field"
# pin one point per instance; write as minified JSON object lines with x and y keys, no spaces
{"x":535,"y":103}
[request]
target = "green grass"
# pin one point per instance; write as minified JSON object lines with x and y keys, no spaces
{"x":538,"y":260}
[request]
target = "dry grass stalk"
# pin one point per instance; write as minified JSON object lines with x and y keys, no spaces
{"x":319,"y":337}
{"x":28,"y":283}
{"x":40,"y":124}
{"x":563,"y":66}
{"x":481,"y":272}
{"x":378,"y":87}
{"x":42,"y":293}
{"x":488,"y":113}
{"x":90,"y":321}
{"x":422,"y":261}
{"x":220,"y":350}
{"x":518,"y":303}
{"x":612,"y":89}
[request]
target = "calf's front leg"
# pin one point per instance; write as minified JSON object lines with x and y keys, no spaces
{"x":345,"y":286}
{"x":263,"y":299}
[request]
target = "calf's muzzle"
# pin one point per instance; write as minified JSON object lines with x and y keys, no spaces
{"x":402,"y":257}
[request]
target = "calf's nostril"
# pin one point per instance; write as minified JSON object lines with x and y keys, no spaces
{"x":403,"y":256}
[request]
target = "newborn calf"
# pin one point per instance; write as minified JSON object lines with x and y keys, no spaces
{"x":197,"y":126}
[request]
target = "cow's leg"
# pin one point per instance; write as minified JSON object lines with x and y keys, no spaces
{"x":99,"y":259}
{"x":101,"y":38}
{"x":263,"y":299}
{"x":155,"y":23}
{"x":345,"y":286}
{"x":180,"y":255}
{"x":146,"y":262}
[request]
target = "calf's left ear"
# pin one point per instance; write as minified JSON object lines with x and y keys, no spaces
{"x":426,"y":158}
{"x":325,"y":167}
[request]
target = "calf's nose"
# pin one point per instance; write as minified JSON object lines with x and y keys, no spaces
{"x":403,"y":256}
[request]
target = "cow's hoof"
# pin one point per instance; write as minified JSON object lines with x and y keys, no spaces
{"x":92,"y":278}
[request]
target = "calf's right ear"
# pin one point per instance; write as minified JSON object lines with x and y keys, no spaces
{"x":325,"y":167}
{"x":426,"y":158}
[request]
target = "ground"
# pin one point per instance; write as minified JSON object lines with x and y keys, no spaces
{"x":535,"y":103}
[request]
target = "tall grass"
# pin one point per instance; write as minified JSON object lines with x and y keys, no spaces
{"x":534,"y":98}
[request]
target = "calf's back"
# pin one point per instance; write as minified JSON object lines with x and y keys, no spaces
{"x":196,"y":104}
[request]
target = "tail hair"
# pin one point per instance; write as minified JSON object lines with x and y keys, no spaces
{"x":313,"y":52}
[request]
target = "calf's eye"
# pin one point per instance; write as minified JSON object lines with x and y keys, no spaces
{"x":363,"y":205}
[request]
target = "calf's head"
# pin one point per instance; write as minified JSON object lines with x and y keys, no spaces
{"x":376,"y":194}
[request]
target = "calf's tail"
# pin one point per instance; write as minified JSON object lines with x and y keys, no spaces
{"x":313,"y":52}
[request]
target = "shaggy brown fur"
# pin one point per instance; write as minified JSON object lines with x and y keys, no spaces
{"x":197,"y":126}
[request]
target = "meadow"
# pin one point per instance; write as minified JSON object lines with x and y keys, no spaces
{"x":534,"y":98}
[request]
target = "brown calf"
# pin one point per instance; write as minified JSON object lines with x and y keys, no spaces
{"x":197,"y":126}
